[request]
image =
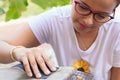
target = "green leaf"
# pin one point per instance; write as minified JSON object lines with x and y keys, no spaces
{"x":45,"y":3}
{"x":1,"y":11}
{"x":16,"y":7}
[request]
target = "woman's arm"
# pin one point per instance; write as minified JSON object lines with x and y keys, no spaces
{"x":30,"y":54}
{"x":15,"y":34}
{"x":18,"y":34}
{"x":115,"y":73}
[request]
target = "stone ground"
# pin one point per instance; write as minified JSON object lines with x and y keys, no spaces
{"x":8,"y":65}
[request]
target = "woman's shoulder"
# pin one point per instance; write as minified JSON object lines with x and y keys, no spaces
{"x":117,"y":18}
{"x":112,"y":25}
{"x":114,"y":22}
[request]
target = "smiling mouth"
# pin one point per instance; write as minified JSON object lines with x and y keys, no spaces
{"x":81,"y":26}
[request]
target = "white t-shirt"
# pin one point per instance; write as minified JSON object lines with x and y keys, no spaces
{"x":56,"y":27}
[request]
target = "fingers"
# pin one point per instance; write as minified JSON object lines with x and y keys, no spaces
{"x":42,"y":65}
{"x":36,"y":60}
{"x":34,"y":66}
{"x":26,"y":66}
{"x":32,"y":58}
{"x":48,"y":63}
{"x":44,"y":51}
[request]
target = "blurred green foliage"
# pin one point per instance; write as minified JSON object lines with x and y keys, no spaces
{"x":1,"y":11}
{"x":16,"y":7}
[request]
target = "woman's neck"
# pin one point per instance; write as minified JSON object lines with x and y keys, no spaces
{"x":85,"y":40}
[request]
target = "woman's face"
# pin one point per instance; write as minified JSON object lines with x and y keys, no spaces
{"x":89,"y":15}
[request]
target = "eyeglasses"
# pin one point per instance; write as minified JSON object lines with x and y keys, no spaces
{"x":82,"y":9}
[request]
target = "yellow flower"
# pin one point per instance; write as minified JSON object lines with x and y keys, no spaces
{"x":79,"y":77}
{"x":81,"y":65}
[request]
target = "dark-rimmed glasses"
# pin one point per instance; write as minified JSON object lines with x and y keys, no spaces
{"x":102,"y":17}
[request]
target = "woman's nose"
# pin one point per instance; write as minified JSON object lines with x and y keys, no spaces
{"x":89,"y":20}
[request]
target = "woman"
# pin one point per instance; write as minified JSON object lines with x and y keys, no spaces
{"x":85,"y":30}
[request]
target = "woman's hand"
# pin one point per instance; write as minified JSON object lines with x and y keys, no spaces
{"x":33,"y":57}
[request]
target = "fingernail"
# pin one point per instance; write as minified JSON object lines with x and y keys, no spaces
{"x":54,"y":68}
{"x":47,"y":72}
{"x":30,"y":74}
{"x":38,"y":75}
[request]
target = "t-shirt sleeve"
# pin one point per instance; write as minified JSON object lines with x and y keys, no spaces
{"x":41,"y":26}
{"x":116,"y":54}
